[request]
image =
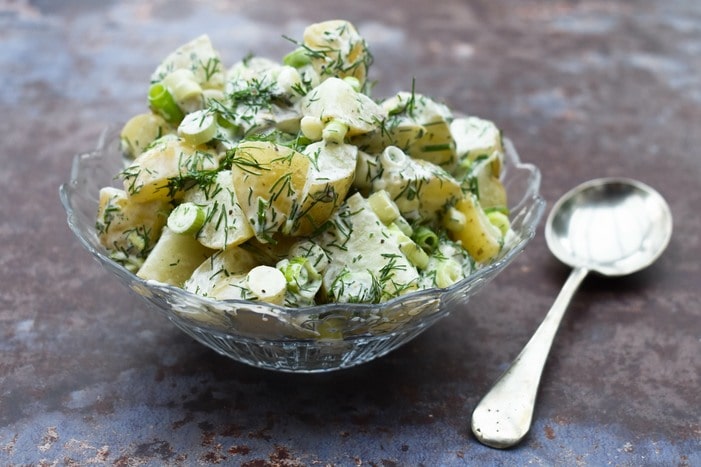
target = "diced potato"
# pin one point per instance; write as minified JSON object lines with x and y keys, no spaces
{"x":221,"y":268}
{"x":231,"y":288}
{"x":256,"y":118}
{"x":419,"y":188}
{"x":225,"y":223}
{"x":477,"y":138}
{"x":261,"y":96}
{"x":142,"y":130}
{"x":198,"y":56}
{"x":127,"y":229}
{"x":247,"y":70}
{"x":337,"y":50}
{"x":480,"y":158}
{"x":160,"y":172}
{"x":174,"y":258}
{"x":269,"y":181}
{"x":394,"y":131}
{"x":266,"y":76}
{"x":419,"y":126}
{"x":330,"y":177}
{"x":366,"y":262}
{"x":262,"y":283}
{"x":478,"y":235}
{"x":482,"y":181}
{"x":336,"y":100}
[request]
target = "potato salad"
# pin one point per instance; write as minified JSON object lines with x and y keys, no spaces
{"x":284,"y":181}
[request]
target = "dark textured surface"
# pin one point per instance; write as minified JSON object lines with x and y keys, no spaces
{"x":584,"y":88}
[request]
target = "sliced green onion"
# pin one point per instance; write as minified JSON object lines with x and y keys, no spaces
{"x":311,"y":127}
{"x":499,"y":220}
{"x":198,"y":127}
{"x":448,"y":272}
{"x":383,"y":206}
{"x":186,"y":218}
{"x":393,"y":157}
{"x":295,"y":274}
{"x":411,"y":250}
{"x":311,"y":250}
{"x":403,"y":225}
{"x":298,"y":272}
{"x":334,"y":132}
{"x":267,"y":284}
{"x":414,"y":253}
{"x":354,"y":82}
{"x":425,"y":238}
{"x":502,"y":209}
{"x":162,"y":102}
{"x":297,"y":58}
{"x":183,"y":85}
{"x":465,"y":164}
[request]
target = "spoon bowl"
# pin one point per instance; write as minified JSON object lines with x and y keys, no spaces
{"x":612,"y":226}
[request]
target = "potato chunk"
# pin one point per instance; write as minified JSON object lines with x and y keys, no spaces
{"x":160,"y":172}
{"x":173,"y":258}
{"x":336,"y":100}
{"x":260,"y":95}
{"x":421,"y":126}
{"x":337,"y":50}
{"x":478,"y":235}
{"x":197,"y":56}
{"x":366,"y":261}
{"x":127,"y":229}
{"x":480,"y":159}
{"x":477,"y":138}
{"x":140,"y":131}
{"x":330,"y":177}
{"x":221,"y":270}
{"x":269,"y":181}
{"x":225,"y":222}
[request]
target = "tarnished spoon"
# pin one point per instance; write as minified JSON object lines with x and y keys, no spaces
{"x":612,"y":226}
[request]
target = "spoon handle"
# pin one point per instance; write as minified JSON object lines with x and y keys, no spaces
{"x":503,"y":416}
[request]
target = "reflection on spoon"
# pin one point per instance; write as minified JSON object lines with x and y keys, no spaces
{"x":613,"y":226}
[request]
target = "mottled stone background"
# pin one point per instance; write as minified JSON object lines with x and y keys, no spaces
{"x":584,"y":89}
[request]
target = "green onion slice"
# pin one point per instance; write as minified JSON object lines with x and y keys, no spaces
{"x":186,"y":218}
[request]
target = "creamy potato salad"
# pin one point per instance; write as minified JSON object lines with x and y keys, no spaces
{"x":285,"y":182}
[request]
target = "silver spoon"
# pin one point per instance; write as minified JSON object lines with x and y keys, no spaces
{"x":612,"y":226}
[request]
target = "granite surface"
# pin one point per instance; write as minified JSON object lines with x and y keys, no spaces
{"x":584,"y":89}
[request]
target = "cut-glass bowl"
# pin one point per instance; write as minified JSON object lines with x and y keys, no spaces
{"x":289,"y":339}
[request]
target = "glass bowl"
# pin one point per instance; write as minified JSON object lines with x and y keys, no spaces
{"x":288,"y":339}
